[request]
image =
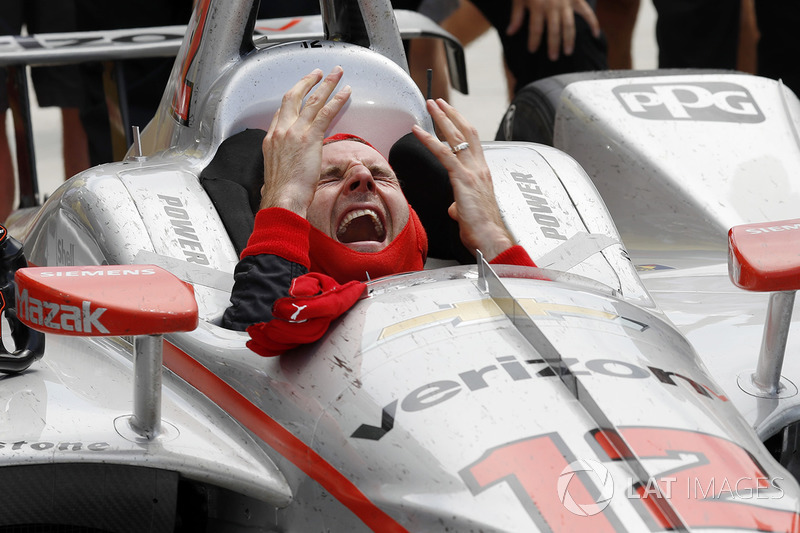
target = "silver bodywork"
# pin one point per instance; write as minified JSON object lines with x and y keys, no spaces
{"x":676,"y":178}
{"x":453,"y":399}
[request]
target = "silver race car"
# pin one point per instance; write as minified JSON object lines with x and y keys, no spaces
{"x":622,"y":386}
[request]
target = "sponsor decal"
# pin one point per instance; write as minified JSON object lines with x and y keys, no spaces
{"x":83,"y":318}
{"x":96,"y":273}
{"x":539,"y":208}
{"x":41,"y":446}
{"x":65,"y":255}
{"x":120,"y":39}
{"x":509,"y":368}
{"x":706,"y":101}
{"x":773,"y":229}
{"x":45,"y":42}
{"x":184,"y":230}
{"x":462,"y":312}
{"x":652,"y":267}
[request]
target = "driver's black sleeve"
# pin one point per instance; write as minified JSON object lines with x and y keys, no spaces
{"x":276,"y":253}
{"x":258,"y":281}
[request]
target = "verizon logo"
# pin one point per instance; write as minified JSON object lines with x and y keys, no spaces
{"x":55,"y":316}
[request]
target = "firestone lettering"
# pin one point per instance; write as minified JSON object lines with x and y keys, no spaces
{"x":182,"y":226}
{"x":60,"y":316}
{"x":60,"y":446}
{"x":537,"y":203}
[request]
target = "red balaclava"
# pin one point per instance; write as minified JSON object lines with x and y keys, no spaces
{"x":406,"y":253}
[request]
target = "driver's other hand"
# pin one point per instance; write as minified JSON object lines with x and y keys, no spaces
{"x":475,"y":208}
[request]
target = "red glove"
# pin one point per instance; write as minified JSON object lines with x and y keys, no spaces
{"x":314,"y":301}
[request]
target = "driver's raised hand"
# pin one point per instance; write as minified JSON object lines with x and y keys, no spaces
{"x":293,"y":145}
{"x":475,"y":208}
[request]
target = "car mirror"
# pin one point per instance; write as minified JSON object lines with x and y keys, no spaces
{"x":765,"y":257}
{"x":140,"y":300}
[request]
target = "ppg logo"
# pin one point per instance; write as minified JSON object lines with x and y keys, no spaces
{"x":711,"y":101}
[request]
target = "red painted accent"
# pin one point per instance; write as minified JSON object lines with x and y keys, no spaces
{"x":279,"y":438}
{"x":656,"y":505}
{"x":765,"y":256}
{"x":722,"y":397}
{"x":286,"y":26}
{"x":182,"y":101}
{"x":182,"y":98}
{"x":104,"y":300}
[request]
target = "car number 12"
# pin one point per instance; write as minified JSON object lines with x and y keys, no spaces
{"x":717,"y":483}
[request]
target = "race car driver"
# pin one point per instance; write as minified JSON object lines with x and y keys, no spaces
{"x":333,"y":215}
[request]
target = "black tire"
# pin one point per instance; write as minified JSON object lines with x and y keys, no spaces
{"x":529,"y":117}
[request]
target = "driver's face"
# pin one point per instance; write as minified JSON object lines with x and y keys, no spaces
{"x":358,"y":201}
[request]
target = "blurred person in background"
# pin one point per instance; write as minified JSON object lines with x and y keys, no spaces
{"x":143,"y":80}
{"x":540,"y":38}
{"x":55,"y":87}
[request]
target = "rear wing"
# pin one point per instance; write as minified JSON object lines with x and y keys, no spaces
{"x":164,"y":41}
{"x":18,"y":52}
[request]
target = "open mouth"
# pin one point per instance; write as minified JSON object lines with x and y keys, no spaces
{"x":361,"y":225}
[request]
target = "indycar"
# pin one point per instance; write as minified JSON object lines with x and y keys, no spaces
{"x":621,"y":386}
